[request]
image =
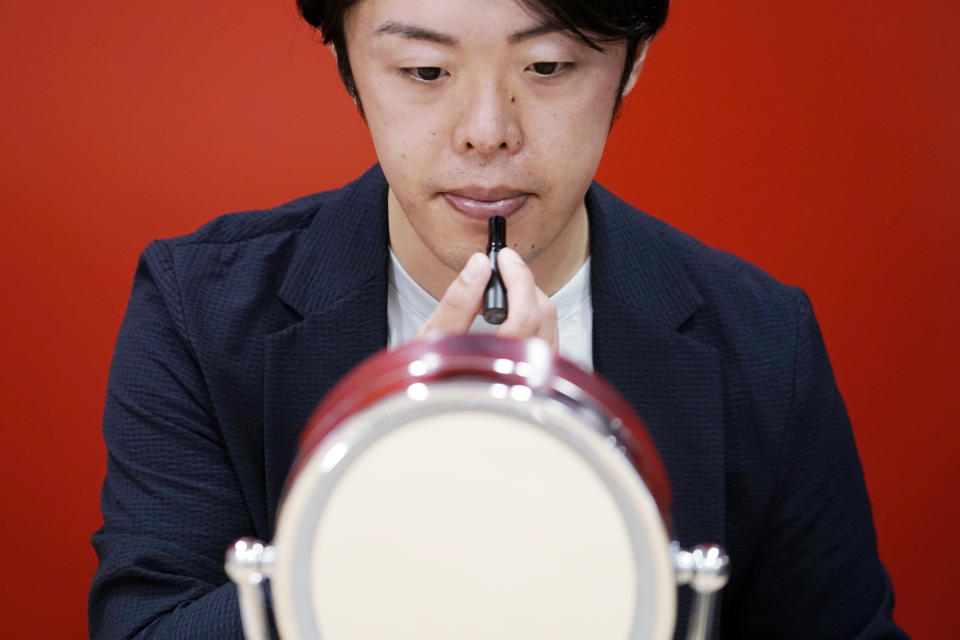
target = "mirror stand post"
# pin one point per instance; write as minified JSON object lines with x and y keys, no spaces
{"x":248,"y":563}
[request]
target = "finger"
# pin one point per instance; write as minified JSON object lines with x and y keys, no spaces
{"x":462,"y":299}
{"x":524,"y":315}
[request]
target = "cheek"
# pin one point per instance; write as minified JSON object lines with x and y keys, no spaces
{"x":396,"y":126}
{"x":404,"y":137}
{"x":569,"y":139}
{"x":578,"y":124}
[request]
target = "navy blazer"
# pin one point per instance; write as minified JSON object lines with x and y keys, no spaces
{"x":235,"y":332}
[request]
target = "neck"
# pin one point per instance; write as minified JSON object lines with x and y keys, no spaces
{"x":551,"y":268}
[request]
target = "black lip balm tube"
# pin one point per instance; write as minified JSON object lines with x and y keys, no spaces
{"x":495,"y":295}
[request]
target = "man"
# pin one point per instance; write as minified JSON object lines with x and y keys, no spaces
{"x":234,"y":333}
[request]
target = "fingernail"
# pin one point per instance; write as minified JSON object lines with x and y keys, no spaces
{"x":512,"y":255}
{"x":473,"y":269}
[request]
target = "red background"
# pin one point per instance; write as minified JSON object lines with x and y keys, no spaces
{"x":818,"y":143}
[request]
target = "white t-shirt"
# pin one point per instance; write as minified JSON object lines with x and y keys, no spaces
{"x":409,"y":306}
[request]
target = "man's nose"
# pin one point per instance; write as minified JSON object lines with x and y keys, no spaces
{"x":489,"y":122}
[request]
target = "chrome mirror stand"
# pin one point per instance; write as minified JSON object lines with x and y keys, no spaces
{"x":705,"y":569}
{"x":248,"y":563}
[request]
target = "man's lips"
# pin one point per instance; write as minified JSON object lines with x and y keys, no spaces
{"x":483,"y":203}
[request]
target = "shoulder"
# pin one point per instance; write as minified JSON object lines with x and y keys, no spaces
{"x":732,"y":287}
{"x":719,"y":285}
{"x":253,"y":225}
{"x":265,"y":227}
{"x":259,"y":244}
{"x":229,"y":263}
{"x":224,"y":278}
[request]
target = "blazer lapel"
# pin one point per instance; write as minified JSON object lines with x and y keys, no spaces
{"x":337,"y":282}
{"x":642,"y":297}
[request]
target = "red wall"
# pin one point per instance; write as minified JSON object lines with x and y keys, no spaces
{"x":821,"y":146}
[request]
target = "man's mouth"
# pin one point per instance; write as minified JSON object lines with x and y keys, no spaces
{"x":479,"y":202}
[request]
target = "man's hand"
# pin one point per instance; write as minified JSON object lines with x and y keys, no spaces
{"x":530,"y":311}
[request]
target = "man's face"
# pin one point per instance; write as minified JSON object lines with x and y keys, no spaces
{"x":476,"y":109}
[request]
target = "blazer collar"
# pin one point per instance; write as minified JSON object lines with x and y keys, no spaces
{"x":343,"y":248}
{"x":631,"y":261}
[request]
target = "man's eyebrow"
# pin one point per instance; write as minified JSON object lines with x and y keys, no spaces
{"x":413,"y":32}
{"x":541,"y":29}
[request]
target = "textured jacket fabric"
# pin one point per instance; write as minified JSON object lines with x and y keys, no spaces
{"x":235,"y":332}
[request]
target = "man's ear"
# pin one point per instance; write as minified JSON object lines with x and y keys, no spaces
{"x":637,"y":65}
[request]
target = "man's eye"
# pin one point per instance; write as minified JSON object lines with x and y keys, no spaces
{"x":424,"y":74}
{"x":548,"y":68}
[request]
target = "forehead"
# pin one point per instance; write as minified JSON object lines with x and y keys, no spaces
{"x":446,"y":22}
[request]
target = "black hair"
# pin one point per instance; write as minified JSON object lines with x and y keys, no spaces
{"x":596,"y":22}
